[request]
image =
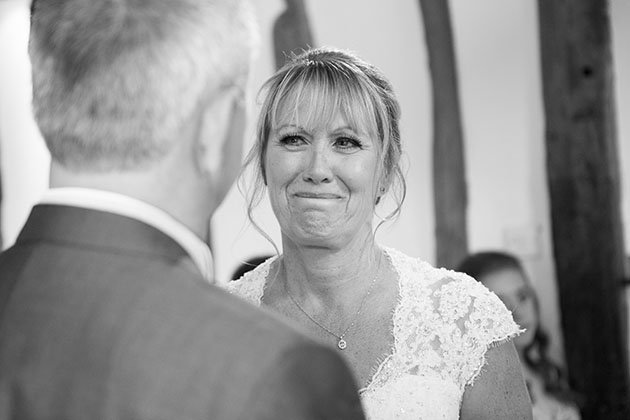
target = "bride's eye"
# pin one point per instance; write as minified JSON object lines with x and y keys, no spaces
{"x":346,"y":143}
{"x":292,"y":140}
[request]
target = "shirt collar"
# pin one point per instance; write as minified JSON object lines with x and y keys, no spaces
{"x":130,"y":207}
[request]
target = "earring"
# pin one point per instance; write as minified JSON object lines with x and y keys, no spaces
{"x":378,"y":198}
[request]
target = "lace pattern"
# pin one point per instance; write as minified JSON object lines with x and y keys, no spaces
{"x":443,"y":325}
{"x":251,"y":286}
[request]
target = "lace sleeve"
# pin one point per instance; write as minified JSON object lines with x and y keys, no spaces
{"x":443,"y":325}
{"x":486,"y":321}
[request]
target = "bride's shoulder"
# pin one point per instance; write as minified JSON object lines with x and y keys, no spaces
{"x":416,"y":273}
{"x":251,"y":285}
{"x":438,"y":302}
{"x":453,"y":295}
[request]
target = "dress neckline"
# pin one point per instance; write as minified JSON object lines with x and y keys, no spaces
{"x":379,"y":366}
{"x":382,"y":362}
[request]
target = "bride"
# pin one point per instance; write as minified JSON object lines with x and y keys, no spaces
{"x":425,"y":343}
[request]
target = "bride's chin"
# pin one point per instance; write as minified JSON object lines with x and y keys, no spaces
{"x":315,"y":236}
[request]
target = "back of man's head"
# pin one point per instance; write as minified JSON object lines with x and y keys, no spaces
{"x":115,"y":81}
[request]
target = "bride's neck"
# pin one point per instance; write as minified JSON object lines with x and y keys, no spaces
{"x":330,"y":274}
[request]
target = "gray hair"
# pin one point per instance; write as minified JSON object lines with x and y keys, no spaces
{"x":114,"y":81}
{"x":332,"y":81}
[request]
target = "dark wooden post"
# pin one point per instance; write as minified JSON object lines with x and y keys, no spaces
{"x":449,"y":176}
{"x":583,"y":179}
{"x":291,"y":31}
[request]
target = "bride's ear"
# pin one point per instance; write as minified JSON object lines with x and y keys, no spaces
{"x":383,"y":186}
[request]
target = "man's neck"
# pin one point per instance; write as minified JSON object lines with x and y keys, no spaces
{"x":177,"y":194}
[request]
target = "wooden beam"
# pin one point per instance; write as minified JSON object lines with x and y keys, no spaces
{"x":449,"y":174}
{"x":584,"y":186}
{"x":291,"y":31}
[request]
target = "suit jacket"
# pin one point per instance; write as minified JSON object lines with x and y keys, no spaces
{"x":105,"y":317}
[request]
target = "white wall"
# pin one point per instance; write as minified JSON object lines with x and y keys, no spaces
{"x":24,"y":159}
{"x":620,"y":15}
{"x":497,"y":50}
{"x":503,"y":124}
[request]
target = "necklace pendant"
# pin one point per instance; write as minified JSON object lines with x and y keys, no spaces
{"x":341,"y":344}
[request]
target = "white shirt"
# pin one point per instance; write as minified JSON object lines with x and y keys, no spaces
{"x":139,"y":210}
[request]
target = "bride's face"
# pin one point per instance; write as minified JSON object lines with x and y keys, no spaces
{"x":322,"y":178}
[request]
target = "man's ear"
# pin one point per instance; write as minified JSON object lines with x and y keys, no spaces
{"x":220,"y":141}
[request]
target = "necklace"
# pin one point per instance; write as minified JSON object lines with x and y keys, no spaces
{"x":341,"y":343}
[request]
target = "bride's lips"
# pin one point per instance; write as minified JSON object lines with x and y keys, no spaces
{"x":317,"y":195}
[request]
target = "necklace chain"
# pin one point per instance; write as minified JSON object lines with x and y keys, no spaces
{"x":341,"y":343}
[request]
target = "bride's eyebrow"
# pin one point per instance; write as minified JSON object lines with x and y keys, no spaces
{"x":344,"y":128}
{"x":292,"y":127}
{"x":295,"y":126}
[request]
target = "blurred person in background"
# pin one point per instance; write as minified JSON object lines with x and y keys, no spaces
{"x":503,"y":274}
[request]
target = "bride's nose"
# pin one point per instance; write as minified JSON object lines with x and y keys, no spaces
{"x":318,"y":168}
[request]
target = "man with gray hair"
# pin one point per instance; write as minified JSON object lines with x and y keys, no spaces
{"x":107,"y":310}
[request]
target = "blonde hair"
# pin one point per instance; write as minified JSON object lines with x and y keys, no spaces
{"x":332,"y":81}
{"x":114,"y":82}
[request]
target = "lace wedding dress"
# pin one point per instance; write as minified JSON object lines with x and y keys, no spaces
{"x":443,"y":324}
